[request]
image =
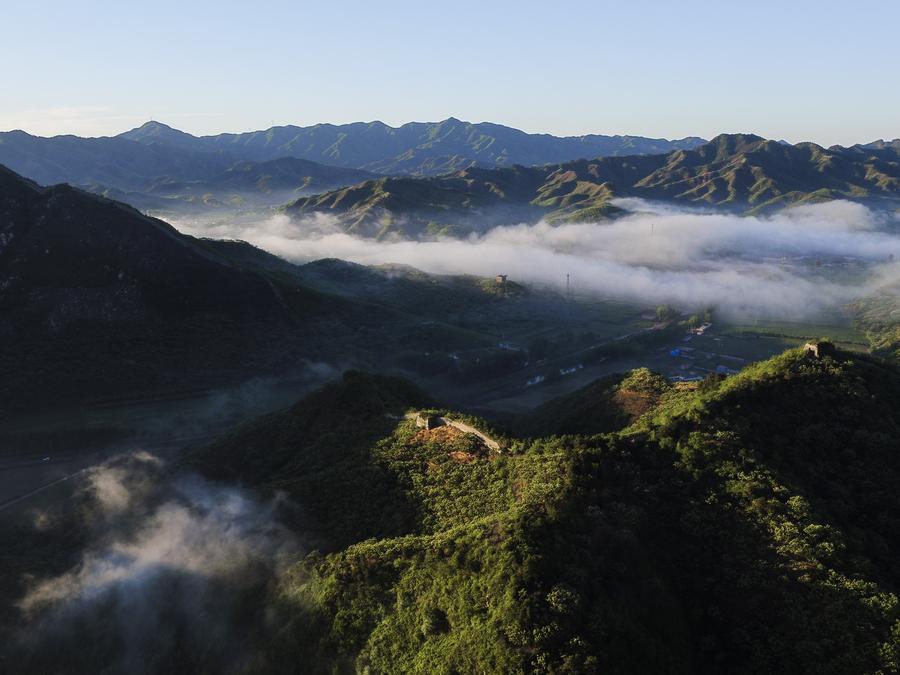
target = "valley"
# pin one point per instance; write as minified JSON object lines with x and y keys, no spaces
{"x":227,"y":405}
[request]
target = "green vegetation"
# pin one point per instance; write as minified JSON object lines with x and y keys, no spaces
{"x":741,"y":172}
{"x":606,"y":405}
{"x":879,"y":318}
{"x":746,"y":525}
{"x":840,"y":330}
{"x":124,"y":306}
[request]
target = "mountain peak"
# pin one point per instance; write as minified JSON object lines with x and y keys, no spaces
{"x":736,"y":139}
{"x":731,"y":144}
{"x":156,"y":130}
{"x":152,"y":126}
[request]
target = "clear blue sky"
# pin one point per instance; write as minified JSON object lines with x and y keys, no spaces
{"x":800,"y":70}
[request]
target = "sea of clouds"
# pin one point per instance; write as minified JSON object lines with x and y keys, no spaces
{"x":793,"y":264}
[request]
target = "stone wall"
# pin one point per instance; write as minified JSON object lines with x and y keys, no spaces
{"x":431,"y":421}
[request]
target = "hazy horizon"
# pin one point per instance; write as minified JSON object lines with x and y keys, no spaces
{"x":645,"y":69}
{"x":442,"y":119}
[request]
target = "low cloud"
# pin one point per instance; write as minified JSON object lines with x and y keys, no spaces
{"x":796,"y":263}
{"x":171,"y":568}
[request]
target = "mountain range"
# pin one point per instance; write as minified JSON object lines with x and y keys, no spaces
{"x":743,"y":526}
{"x":743,"y":173}
{"x":416,"y":148}
{"x":154,"y":157}
{"x":98,"y":300}
{"x":450,"y":177}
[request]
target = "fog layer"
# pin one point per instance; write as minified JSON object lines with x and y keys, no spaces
{"x":174,"y":569}
{"x":792,"y":264}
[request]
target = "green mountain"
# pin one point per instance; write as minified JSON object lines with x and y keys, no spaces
{"x":101,"y":301}
{"x":156,"y":167}
{"x":882,"y":145}
{"x":417,"y":148}
{"x":743,"y":526}
{"x":741,"y":172}
{"x":879,"y":318}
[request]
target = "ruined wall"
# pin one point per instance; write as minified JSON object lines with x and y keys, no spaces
{"x":432,"y":421}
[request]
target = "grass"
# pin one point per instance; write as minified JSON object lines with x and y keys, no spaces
{"x":839,"y":330}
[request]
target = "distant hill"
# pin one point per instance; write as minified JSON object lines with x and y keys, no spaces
{"x":882,"y":144}
{"x":745,"y":173}
{"x":113,"y":162}
{"x":417,"y":148}
{"x":152,"y":176}
{"x":156,"y":167}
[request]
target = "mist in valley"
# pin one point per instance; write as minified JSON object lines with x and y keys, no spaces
{"x":173,"y":571}
{"x":791,"y":265}
{"x":170,"y":578}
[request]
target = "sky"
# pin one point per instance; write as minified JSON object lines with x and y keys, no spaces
{"x":797,"y":70}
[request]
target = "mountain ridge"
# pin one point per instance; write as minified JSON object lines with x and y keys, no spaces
{"x":414,"y":148}
{"x":732,"y":525}
{"x":741,"y":172}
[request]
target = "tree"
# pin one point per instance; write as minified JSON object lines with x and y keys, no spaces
{"x":665,"y":313}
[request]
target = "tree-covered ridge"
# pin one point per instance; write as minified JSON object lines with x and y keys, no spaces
{"x":741,"y":172}
{"x":745,"y":525}
{"x":879,"y":318}
{"x":604,"y":406}
{"x":99,"y":301}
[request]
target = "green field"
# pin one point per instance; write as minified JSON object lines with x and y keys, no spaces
{"x":839,"y":329}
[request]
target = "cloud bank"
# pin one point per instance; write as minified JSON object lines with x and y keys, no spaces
{"x":175,"y":570}
{"x":792,"y":264}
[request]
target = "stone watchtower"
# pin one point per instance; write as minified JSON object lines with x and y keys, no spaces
{"x":819,"y":350}
{"x":428,"y":422}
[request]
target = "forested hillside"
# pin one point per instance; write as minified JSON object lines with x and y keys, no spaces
{"x":741,"y":173}
{"x":747,"y":525}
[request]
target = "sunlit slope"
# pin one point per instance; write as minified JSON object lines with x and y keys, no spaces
{"x":744,"y":173}
{"x":746,"y":525}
